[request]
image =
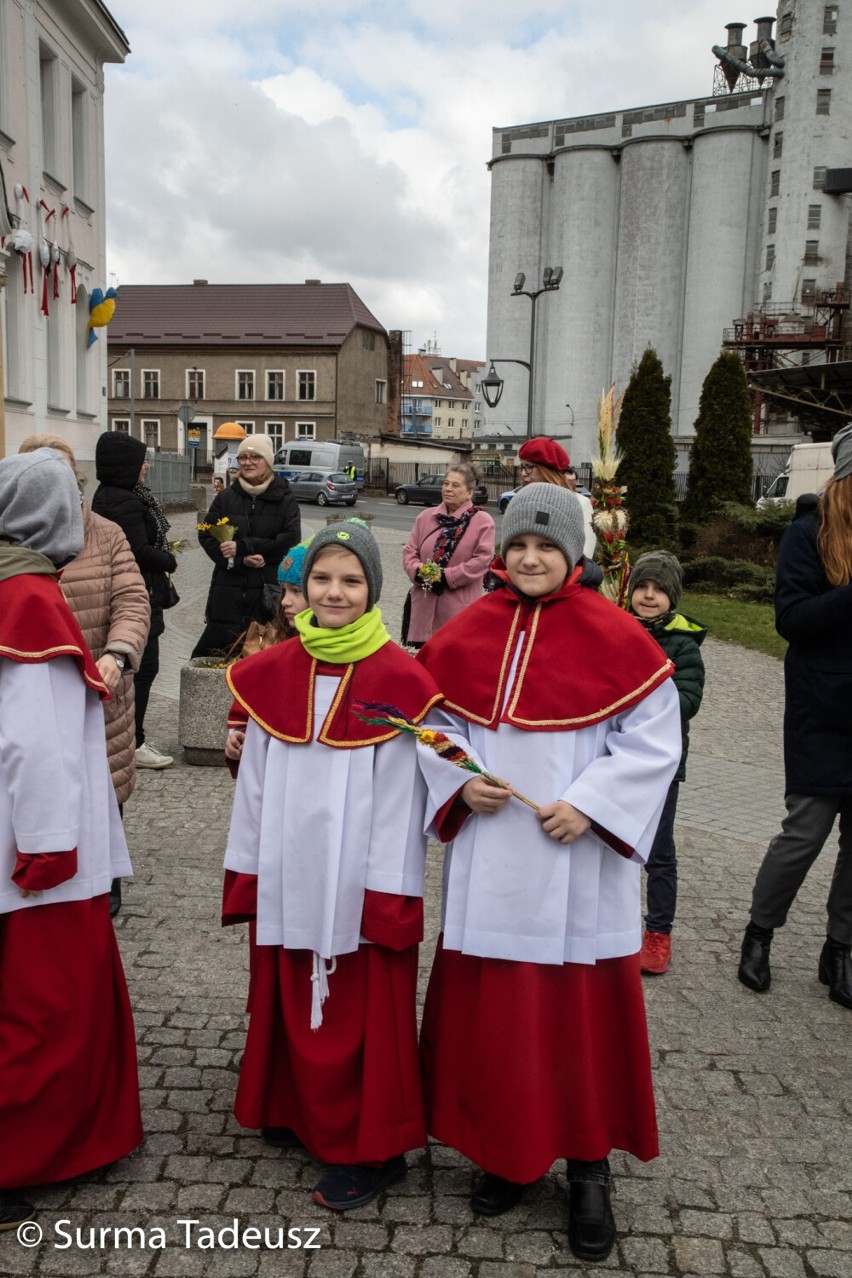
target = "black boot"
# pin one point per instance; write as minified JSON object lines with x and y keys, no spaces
{"x":754,"y":958}
{"x":591,"y":1227}
{"x":835,"y":971}
{"x":115,"y":898}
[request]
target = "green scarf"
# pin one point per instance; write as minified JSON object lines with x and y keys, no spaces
{"x":354,"y":642}
{"x":16,"y":561}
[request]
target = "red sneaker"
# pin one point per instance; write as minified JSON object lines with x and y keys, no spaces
{"x":656,"y":953}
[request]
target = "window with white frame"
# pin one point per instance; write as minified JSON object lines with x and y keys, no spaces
{"x":195,"y":383}
{"x":151,"y":432}
{"x":248,"y":427}
{"x":121,"y":425}
{"x":451,"y":423}
{"x":49,"y":87}
{"x":275,"y":431}
{"x":814,"y":216}
{"x":275,"y":383}
{"x":121,"y":383}
{"x":245,"y":383}
{"x":79,"y":139}
{"x":381,"y":391}
{"x":306,"y":430}
{"x":307,"y":379}
{"x":150,"y":383}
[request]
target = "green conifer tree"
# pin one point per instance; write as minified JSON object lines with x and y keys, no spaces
{"x":648,"y":454}
{"x":720,"y":461}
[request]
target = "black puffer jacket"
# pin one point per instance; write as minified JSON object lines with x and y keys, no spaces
{"x":267,"y":524}
{"x":118,"y":461}
{"x":816,"y":620}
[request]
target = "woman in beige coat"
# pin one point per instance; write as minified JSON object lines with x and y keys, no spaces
{"x":107,"y":595}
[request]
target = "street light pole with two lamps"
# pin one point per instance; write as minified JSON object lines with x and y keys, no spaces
{"x":492,"y":384}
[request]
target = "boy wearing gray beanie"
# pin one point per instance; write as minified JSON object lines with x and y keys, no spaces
{"x":534,"y":1041}
{"x":328,"y":823}
{"x":653,"y":593}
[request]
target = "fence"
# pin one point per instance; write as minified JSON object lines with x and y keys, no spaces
{"x":169,"y":477}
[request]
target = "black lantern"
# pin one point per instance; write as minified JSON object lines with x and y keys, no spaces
{"x":492,"y":387}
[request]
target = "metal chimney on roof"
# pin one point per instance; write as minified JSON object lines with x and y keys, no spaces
{"x":763,"y":43}
{"x":736,"y":49}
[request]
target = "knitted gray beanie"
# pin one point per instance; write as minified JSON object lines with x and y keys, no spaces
{"x":546,"y":510}
{"x":841,"y":451}
{"x":660,"y":566}
{"x":354,"y":535}
{"x":40,"y":504}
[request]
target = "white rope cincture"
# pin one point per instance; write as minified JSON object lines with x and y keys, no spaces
{"x":319,"y":992}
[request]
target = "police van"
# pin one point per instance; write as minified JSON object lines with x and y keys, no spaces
{"x":325,"y":455}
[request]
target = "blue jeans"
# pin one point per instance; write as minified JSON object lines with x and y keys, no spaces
{"x":661,"y":868}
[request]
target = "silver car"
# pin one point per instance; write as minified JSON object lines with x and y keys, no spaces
{"x":326,"y":488}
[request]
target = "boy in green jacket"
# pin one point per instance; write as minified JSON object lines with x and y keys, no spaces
{"x":654,"y":591}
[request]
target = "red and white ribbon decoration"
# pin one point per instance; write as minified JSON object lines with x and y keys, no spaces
{"x":45,"y":255}
{"x":22,"y":241}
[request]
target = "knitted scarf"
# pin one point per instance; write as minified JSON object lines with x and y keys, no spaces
{"x":453,"y":528}
{"x":350,"y":643}
{"x":148,"y":499}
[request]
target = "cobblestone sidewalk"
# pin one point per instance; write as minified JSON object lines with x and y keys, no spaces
{"x":755,"y":1104}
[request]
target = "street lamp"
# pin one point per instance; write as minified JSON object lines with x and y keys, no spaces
{"x":492,"y":385}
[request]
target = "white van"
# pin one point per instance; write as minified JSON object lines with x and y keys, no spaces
{"x":320,"y":454}
{"x":808,"y":469}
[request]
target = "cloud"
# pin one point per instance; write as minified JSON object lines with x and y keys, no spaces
{"x":263,"y":145}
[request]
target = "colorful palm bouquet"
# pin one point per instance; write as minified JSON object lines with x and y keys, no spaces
{"x":610,"y":516}
{"x":387,"y":716}
{"x":222,"y":530}
{"x":429,"y":575}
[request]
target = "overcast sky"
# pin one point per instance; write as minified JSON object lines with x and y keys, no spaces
{"x":273,"y":141}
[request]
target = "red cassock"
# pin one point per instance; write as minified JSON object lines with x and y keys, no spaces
{"x":69,"y":1091}
{"x":526,"y":1062}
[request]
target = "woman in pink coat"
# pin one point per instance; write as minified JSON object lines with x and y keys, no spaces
{"x":447,"y":555}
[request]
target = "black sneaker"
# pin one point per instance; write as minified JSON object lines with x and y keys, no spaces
{"x":14,"y":1210}
{"x":343,"y":1186}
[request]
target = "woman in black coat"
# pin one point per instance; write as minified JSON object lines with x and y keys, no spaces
{"x":265,"y":514}
{"x":813,"y":611}
{"x":121,"y":464}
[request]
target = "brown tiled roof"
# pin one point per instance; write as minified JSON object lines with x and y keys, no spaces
{"x":419,"y":368}
{"x":238,"y":314}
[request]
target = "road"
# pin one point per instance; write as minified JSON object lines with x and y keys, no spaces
{"x":388,"y":513}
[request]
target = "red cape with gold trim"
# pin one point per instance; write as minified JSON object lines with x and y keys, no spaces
{"x":37,"y":625}
{"x":276,"y":688}
{"x":583,"y":660}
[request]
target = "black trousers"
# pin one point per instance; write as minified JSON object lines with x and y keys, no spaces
{"x":148,"y":670}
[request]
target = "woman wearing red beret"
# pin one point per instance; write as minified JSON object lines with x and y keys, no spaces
{"x":543,"y":461}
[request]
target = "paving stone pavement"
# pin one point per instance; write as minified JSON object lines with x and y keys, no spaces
{"x":755,"y":1173}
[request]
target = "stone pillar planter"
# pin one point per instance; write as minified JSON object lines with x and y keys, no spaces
{"x":204,"y":704}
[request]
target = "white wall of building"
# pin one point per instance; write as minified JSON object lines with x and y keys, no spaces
{"x":52,"y":54}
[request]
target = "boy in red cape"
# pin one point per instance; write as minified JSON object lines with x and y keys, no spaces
{"x":534,"y":1039}
{"x":326,"y":848}
{"x":69,"y":1093}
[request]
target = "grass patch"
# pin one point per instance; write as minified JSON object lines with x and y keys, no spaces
{"x":751,"y":625}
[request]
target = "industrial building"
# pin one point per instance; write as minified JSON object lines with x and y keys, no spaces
{"x":683,"y":225}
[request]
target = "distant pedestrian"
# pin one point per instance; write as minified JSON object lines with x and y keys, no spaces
{"x":265,"y":514}
{"x":446,"y":557}
{"x":121,"y":465}
{"x":654,"y":591}
{"x":813,"y":612}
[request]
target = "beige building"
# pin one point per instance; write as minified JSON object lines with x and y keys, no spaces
{"x":438,"y":396}
{"x":292,"y":361}
{"x":52,"y":55}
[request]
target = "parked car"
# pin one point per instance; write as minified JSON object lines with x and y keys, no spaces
{"x":427,"y":492}
{"x":504,"y":499}
{"x":326,"y":488}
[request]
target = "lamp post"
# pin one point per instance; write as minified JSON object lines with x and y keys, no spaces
{"x":492,"y":384}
